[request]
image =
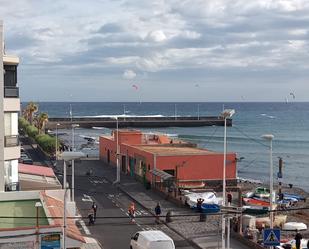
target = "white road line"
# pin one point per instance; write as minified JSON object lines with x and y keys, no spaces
{"x":122,"y":209}
{"x":84,"y":227}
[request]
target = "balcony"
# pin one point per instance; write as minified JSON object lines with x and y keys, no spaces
{"x":11,"y":141}
{"x":11,"y":92}
{"x":12,"y":186}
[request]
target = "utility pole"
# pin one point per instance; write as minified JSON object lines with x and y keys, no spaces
{"x":280,"y":177}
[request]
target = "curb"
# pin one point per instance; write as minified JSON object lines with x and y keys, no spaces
{"x":120,"y":187}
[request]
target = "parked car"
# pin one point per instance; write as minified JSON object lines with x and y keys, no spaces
{"x":152,"y":239}
{"x":24,"y":155}
{"x":27,"y":161}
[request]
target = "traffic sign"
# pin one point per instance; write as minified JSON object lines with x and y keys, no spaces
{"x":271,"y":237}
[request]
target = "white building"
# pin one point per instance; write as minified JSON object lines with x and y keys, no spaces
{"x":9,"y":107}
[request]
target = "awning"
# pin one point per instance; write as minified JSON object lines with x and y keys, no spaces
{"x":162,"y":174}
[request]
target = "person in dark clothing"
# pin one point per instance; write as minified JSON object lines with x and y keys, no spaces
{"x":199,"y":203}
{"x":91,"y":217}
{"x":229,"y":198}
{"x":158,"y":212}
{"x":298,"y":239}
{"x":94,"y":208}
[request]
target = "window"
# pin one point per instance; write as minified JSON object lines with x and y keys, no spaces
{"x":135,"y":237}
{"x":10,"y":123}
{"x":11,"y":171}
{"x":170,"y":171}
{"x":10,"y":75}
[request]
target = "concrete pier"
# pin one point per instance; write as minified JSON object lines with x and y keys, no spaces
{"x":138,"y":122}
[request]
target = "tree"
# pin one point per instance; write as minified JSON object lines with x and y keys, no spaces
{"x":42,"y":119}
{"x":30,"y":110}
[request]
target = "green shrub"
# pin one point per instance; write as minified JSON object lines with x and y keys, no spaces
{"x":23,"y":123}
{"x":46,"y":142}
{"x":32,"y":131}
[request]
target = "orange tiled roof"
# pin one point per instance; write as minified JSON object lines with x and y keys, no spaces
{"x":55,"y":208}
{"x":35,"y":170}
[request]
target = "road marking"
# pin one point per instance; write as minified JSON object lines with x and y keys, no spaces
{"x":84,"y":227}
{"x":87,"y":198}
{"x":122,"y":209}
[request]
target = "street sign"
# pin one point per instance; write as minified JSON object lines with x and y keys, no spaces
{"x":271,"y":237}
{"x":50,"y":241}
{"x":279,"y":174}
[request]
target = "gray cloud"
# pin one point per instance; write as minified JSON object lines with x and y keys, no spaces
{"x":110,"y":28}
{"x":240,"y":44}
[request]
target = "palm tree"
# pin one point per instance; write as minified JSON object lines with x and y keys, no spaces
{"x":30,"y":110}
{"x":42,"y":119}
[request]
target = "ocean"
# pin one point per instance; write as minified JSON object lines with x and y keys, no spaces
{"x":288,"y":122}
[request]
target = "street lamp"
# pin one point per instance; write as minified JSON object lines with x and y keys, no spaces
{"x":57,"y":141}
{"x":73,"y":163}
{"x":270,"y":137}
{"x":37,"y":206}
{"x":227,"y":113}
{"x":67,"y":156}
{"x":117,"y":152}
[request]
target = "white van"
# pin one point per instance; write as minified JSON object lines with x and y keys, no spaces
{"x":152,"y":239}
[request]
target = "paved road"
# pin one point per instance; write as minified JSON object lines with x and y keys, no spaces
{"x":113,"y":233}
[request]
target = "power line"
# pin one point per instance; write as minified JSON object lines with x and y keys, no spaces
{"x":251,"y":138}
{"x":150,"y":216}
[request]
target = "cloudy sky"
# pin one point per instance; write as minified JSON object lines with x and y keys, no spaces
{"x":173,"y":50}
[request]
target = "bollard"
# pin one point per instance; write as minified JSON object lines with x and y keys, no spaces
{"x":203,"y":217}
{"x":168,"y":217}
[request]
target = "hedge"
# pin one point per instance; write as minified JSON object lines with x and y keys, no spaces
{"x":46,"y":142}
{"x":32,"y":131}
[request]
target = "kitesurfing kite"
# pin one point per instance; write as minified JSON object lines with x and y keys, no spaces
{"x":293,"y":95}
{"x":135,"y":87}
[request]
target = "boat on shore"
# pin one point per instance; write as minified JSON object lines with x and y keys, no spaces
{"x":209,"y":208}
{"x":255,"y":202}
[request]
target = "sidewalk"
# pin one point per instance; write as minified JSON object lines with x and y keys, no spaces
{"x":91,"y":243}
{"x":187,"y":227}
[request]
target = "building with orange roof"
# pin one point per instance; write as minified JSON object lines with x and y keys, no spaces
{"x":162,"y":161}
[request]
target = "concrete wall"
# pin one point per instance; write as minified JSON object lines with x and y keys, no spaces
{"x":2,"y":181}
{"x":13,"y":196}
{"x":199,"y":167}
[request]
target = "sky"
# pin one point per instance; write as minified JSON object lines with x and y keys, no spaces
{"x":173,"y":50}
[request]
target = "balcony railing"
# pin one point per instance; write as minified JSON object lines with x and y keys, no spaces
{"x":11,"y":92}
{"x":11,"y":141}
{"x":12,"y":186}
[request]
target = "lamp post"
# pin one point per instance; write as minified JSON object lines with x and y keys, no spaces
{"x":270,"y":137}
{"x":227,"y":113}
{"x":198,"y":111}
{"x":37,"y":206}
{"x":117,"y":152}
{"x":57,"y":141}
{"x":73,"y":163}
{"x":67,"y":156}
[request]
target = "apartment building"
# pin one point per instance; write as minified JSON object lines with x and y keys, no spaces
{"x":9,"y":109}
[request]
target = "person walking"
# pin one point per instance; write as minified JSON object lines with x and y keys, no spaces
{"x":298,"y":239}
{"x":229,"y":198}
{"x":94,"y":207}
{"x":91,"y":217}
{"x":158,"y":212}
{"x":131,"y":212}
{"x":199,"y":203}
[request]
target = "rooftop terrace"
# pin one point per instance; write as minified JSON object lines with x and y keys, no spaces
{"x":19,"y":209}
